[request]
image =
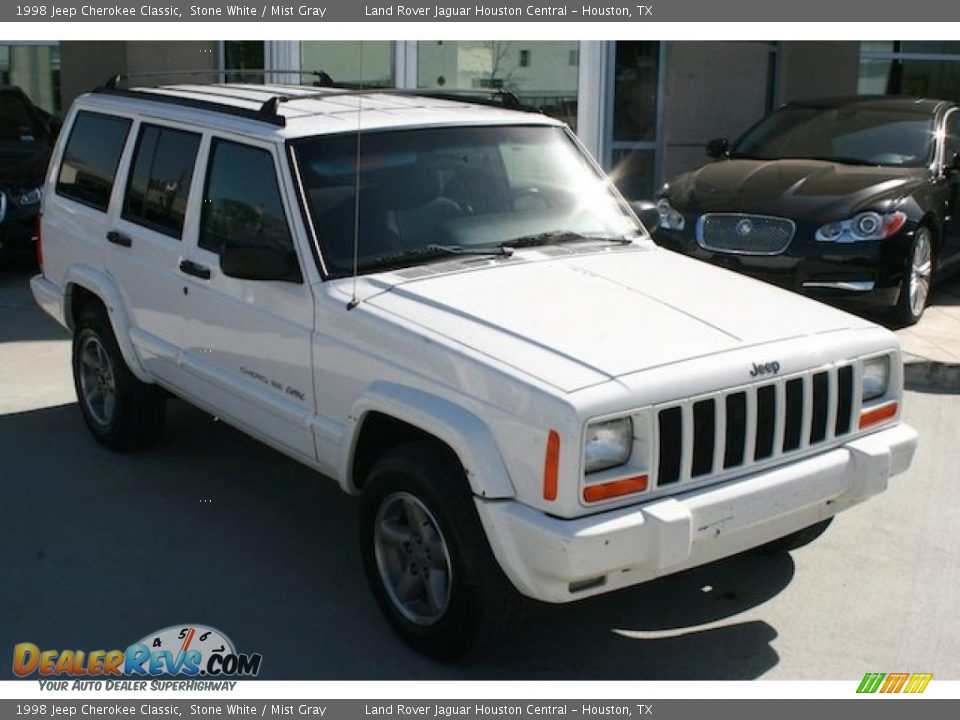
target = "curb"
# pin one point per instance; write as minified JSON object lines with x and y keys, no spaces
{"x":919,"y":373}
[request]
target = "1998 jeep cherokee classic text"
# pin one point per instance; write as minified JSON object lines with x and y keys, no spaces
{"x":453,"y":314}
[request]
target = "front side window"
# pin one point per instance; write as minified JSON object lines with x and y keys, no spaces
{"x":242,"y":199}
{"x":470,"y":188}
{"x":160,"y":179}
{"x":854,"y":134}
{"x":91,"y":157}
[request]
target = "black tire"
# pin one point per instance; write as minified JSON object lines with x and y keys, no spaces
{"x":795,"y":540}
{"x":482,"y":602}
{"x":905,"y":313}
{"x":136,"y":417}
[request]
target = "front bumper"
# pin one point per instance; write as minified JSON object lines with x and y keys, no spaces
{"x":543,"y":555}
{"x":867,"y":273}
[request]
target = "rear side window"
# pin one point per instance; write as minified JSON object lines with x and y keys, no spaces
{"x":160,"y":179}
{"x":242,"y":199}
{"x":91,"y":157}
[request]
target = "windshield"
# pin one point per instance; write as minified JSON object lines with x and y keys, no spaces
{"x":19,"y":129}
{"x":851,"y":134}
{"x":433,"y":192}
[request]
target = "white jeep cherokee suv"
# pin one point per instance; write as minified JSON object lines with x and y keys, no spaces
{"x":446,"y":307}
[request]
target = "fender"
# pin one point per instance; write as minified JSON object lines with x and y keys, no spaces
{"x":464,"y":432}
{"x":103,"y":286}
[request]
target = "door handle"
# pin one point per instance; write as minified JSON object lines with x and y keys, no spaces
{"x":118,"y":238}
{"x":195,"y":269}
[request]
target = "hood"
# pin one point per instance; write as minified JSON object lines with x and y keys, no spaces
{"x":587,"y":319}
{"x":787,"y":187}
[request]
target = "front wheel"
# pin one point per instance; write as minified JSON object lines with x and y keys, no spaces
{"x":426,"y":555}
{"x":917,"y":277}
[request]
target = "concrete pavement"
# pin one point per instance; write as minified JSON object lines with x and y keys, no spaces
{"x":99,"y":549}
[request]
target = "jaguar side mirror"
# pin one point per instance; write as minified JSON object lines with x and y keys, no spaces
{"x":647,"y":212}
{"x":718,"y":147}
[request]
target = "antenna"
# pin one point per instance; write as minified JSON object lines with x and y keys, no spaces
{"x":356,"y":195}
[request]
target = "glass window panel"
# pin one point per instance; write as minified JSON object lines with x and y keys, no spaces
{"x":635,"y":91}
{"x":35,"y":69}
{"x":243,"y":55}
{"x":160,"y":180}
{"x":928,"y":78}
{"x":543,"y":75}
{"x":242,"y":199}
{"x":90,"y":159}
{"x":633,"y":172}
{"x":350,"y":62}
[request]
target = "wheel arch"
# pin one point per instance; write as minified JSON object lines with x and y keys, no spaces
{"x":84,"y":286}
{"x":389,"y":415}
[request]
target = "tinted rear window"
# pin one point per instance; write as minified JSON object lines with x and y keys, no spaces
{"x":160,"y":179}
{"x":91,"y":157}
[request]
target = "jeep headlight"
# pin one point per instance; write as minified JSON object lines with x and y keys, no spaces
{"x":608,"y":444}
{"x":670,"y":219}
{"x":875,"y":377}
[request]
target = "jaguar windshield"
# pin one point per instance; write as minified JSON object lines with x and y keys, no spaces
{"x":433,"y":193}
{"x":851,"y":134}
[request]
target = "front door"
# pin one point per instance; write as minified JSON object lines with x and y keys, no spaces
{"x":951,"y":245}
{"x":247,"y":344}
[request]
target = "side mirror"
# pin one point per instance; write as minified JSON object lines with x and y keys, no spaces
{"x":647,"y":212}
{"x":718,"y":147}
{"x":253,"y":261}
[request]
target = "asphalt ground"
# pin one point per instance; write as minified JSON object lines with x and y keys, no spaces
{"x":97,"y":550}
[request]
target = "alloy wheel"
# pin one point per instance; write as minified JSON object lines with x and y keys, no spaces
{"x":98,"y":385}
{"x":412,"y":558}
{"x":921,"y":270}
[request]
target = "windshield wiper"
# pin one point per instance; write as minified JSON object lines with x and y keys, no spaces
{"x":557,"y":237}
{"x":427,"y":252}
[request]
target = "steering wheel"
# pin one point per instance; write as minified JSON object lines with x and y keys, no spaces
{"x":528,"y":199}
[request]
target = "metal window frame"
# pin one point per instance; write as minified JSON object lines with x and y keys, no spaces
{"x":609,"y":145}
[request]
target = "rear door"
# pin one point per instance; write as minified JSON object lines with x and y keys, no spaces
{"x":145,"y":241}
{"x":247,"y":352}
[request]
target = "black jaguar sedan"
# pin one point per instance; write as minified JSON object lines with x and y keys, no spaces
{"x":27,"y":134}
{"x":851,"y":200}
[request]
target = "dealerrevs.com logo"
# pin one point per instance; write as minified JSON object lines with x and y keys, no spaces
{"x":184,"y":650}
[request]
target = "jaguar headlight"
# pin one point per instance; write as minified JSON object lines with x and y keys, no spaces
{"x":608,"y":444}
{"x":30,"y":197}
{"x":875,"y":377}
{"x":670,"y":219}
{"x":863,"y":226}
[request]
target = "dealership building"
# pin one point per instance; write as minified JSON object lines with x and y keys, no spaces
{"x":645,"y":109}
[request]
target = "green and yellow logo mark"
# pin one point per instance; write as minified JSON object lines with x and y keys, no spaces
{"x":894,"y":682}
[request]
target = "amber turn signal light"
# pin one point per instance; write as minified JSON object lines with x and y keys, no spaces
{"x":615,"y":488}
{"x":877,"y":415}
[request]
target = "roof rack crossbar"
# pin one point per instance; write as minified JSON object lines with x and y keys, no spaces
{"x":323,"y":79}
{"x":210,"y":105}
{"x":495,"y":98}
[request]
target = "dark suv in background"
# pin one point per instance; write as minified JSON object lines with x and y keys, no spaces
{"x":27,"y":134}
{"x":843,"y":199}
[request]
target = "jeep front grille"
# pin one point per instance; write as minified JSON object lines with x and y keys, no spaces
{"x":727,"y":431}
{"x":744,"y":234}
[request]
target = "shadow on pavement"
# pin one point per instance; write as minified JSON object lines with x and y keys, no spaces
{"x":212,"y":527}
